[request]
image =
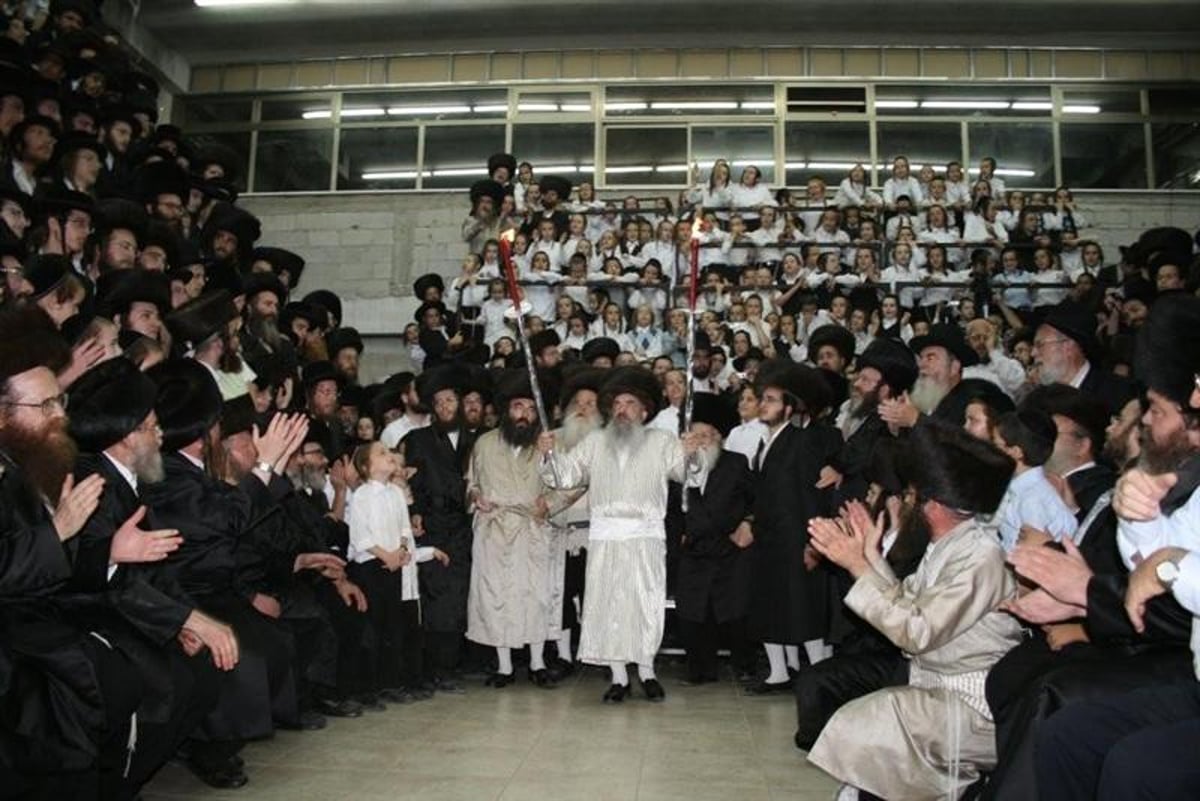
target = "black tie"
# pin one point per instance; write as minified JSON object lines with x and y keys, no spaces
{"x":758,"y":454}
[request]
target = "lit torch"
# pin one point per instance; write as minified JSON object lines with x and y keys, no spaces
{"x":693,"y":281}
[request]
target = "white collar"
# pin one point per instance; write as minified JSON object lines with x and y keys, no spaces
{"x":127,"y":474}
{"x":192,"y":459}
{"x":1081,"y":375}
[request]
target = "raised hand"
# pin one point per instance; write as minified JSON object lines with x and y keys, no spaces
{"x":132,"y":545}
{"x":76,"y":503}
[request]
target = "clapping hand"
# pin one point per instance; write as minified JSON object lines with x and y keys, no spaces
{"x":76,"y":503}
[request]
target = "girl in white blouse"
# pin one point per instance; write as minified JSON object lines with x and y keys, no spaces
{"x":384,"y":557}
{"x":717,"y":193}
{"x":751,"y":194}
{"x":853,"y":191}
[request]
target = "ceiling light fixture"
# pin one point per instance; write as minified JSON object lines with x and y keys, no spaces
{"x":236,"y":3}
{"x":496,"y":108}
{"x":976,"y":105}
{"x":576,"y":107}
{"x":317,"y":114}
{"x":363,"y":112}
{"x":764,"y":105}
{"x":537,"y":107}
{"x":623,"y":170}
{"x":695,"y":105}
{"x":896,"y":104}
{"x":1081,"y":109}
{"x":391,"y":175}
{"x":633,"y":105}
{"x":397,"y":111}
{"x":1032,"y":105}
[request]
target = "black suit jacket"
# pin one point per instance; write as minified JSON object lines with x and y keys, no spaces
{"x":1114,"y":390}
{"x":711,"y":568}
{"x":1088,"y":485}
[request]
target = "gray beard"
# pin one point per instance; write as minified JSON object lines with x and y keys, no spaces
{"x":926,"y":394}
{"x":709,"y":455}
{"x":148,"y":467}
{"x":575,"y":428}
{"x":267,"y":331}
{"x":312,"y":478}
{"x":624,"y":439}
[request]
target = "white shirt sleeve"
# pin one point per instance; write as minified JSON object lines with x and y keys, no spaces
{"x":1181,"y":529}
{"x":1187,"y":587}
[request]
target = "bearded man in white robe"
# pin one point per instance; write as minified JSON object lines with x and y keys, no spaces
{"x":626,"y":468}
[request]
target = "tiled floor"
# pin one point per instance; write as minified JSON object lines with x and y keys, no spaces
{"x":526,"y":744}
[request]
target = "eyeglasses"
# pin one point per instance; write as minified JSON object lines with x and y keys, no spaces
{"x":151,"y":428}
{"x":49,"y":406}
{"x":1038,"y":344}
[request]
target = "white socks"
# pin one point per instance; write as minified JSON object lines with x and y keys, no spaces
{"x":775,"y":657}
{"x":646,"y":672}
{"x":817,"y":650}
{"x":564,"y":645}
{"x":504,"y":657}
{"x":537,"y":657}
{"x":619,"y":674}
{"x":793,"y":656}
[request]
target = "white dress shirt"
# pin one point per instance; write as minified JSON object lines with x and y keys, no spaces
{"x":1031,"y":500}
{"x":381,"y":521}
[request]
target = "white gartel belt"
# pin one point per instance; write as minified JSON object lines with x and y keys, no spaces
{"x":626,"y":528}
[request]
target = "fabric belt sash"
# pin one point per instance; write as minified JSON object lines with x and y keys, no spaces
{"x":626,"y":528}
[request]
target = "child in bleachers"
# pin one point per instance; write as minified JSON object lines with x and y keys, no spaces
{"x":384,"y":557}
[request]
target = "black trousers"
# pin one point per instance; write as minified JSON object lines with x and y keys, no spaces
{"x":1031,"y":684}
{"x":316,"y":642}
{"x":1139,"y":745}
{"x":356,"y":645}
{"x":701,"y":641}
{"x":823,"y":688}
{"x":395,"y":623}
{"x":573,"y":584}
{"x":121,"y":689}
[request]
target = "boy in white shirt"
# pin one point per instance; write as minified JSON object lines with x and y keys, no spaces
{"x":384,"y":556}
{"x":1030,"y":500}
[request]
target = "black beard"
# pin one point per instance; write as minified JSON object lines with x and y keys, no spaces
{"x":867,"y":406}
{"x":231,"y":360}
{"x":1161,"y":459}
{"x":46,"y":456}
{"x":448,"y":426}
{"x":520,"y":436}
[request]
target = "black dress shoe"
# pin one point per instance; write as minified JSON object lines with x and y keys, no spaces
{"x":616,"y":694}
{"x":370,"y":702}
{"x":543,"y":679}
{"x":448,"y":686}
{"x":562,"y":669}
{"x":499,"y":680}
{"x":769,"y":688}
{"x":222,"y":777}
{"x":338,"y":709}
{"x":654,"y":691}
{"x":396,"y":695}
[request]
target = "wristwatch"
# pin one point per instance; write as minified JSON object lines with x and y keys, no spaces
{"x":264,"y":467}
{"x":1167,"y":572}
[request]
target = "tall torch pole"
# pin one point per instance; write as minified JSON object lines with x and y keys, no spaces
{"x":688,"y":393}
{"x":514,"y":293}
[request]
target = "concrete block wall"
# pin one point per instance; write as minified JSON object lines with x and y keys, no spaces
{"x":369,"y":247}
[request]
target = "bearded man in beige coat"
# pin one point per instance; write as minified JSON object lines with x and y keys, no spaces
{"x":932,"y":738}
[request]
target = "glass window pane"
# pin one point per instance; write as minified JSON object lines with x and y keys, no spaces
{"x":293,"y":161}
{"x":293,"y":110}
{"x":456,"y":155}
{"x":399,"y":106}
{"x":688,"y":101}
{"x":963,"y":101}
{"x":645,"y":156}
{"x":1122,"y":167}
{"x":1082,"y":102}
{"x":740,"y":146}
{"x":567,"y":150}
{"x":377,"y":158}
{"x":1024,"y":151}
{"x":825,"y":150}
{"x":1177,"y":155}
{"x":932,"y":143}
{"x":1185,"y":102}
{"x":232,"y":146}
{"x":202,"y":110}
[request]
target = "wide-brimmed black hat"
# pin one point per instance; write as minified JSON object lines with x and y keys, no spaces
{"x":894,"y":362}
{"x":557,"y":184}
{"x":1085,"y":410}
{"x":487,"y":188}
{"x":1155,"y":242}
{"x":426,"y":282}
{"x":498,"y":160}
{"x":120,"y":214}
{"x":419,"y":314}
{"x":809,"y":389}
{"x":835,"y":336}
{"x":328,"y":301}
{"x":946,"y":464}
{"x":950,"y":337}
{"x":108,"y":402}
{"x":118,"y":290}
{"x":188,"y":402}
{"x":511,"y":384}
{"x":28,"y":339}
{"x":442,"y":377}
{"x":342,"y":338}
{"x":577,"y":378}
{"x":282,"y":261}
{"x":222,"y":155}
{"x":120,"y":112}
{"x":255,"y":283}
{"x":479,"y":380}
{"x":197,"y":321}
{"x":631,"y":380}
{"x":714,"y":410}
{"x":238,"y":416}
{"x":58,"y":200}
{"x":161,"y":178}
{"x":31,"y":121}
{"x":315,"y":315}
{"x":234,"y":220}
{"x":316,"y":372}
{"x":1075,"y":322}
{"x":546,"y":338}
{"x":1167,"y":358}
{"x":46,"y":272}
{"x":216,"y":189}
{"x":78,"y":140}
{"x":600,"y":347}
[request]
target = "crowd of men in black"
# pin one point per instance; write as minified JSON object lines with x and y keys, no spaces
{"x":175,"y":423}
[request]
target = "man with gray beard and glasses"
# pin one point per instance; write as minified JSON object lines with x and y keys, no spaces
{"x":569,"y":508}
{"x":113,"y":422}
{"x":626,"y":468}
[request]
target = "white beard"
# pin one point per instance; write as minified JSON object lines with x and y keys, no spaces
{"x":709,"y":455}
{"x":575,"y":428}
{"x":926,"y":394}
{"x":624,"y":439}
